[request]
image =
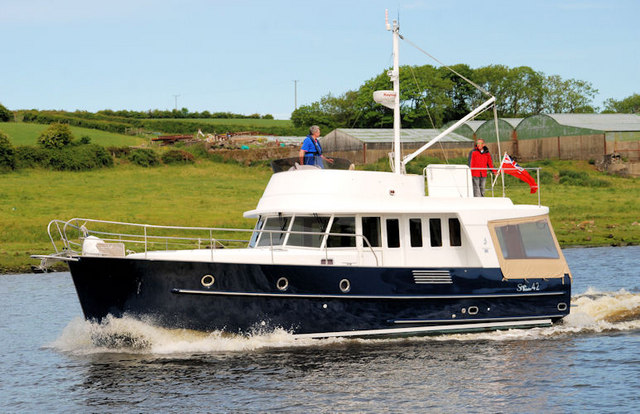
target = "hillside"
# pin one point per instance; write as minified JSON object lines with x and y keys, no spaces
{"x":23,"y":133}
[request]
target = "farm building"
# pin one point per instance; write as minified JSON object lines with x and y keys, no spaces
{"x":563,"y":136}
{"x":578,"y":136}
{"x":367,"y":145}
{"x":468,"y":129}
{"x":506,"y":129}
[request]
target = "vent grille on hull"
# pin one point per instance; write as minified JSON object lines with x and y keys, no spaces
{"x":432,"y":277}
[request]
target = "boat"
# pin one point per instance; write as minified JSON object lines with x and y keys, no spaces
{"x":334,"y":252}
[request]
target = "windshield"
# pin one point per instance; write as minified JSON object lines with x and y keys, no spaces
{"x":530,"y":240}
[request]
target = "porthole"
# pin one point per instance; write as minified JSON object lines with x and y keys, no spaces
{"x":207,"y":280}
{"x":473,"y":310}
{"x":345,"y":285}
{"x":562,"y":306}
{"x":282,"y":284}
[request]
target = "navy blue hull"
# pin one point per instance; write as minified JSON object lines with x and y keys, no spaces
{"x":243,"y":297}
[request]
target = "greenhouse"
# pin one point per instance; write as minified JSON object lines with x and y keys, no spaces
{"x":367,"y":145}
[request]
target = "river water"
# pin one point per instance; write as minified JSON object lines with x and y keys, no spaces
{"x":591,"y":362}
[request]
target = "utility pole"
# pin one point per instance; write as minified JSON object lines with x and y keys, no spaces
{"x":295,"y":94}
{"x":175,"y":98}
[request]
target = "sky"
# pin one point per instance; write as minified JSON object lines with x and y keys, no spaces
{"x":243,"y":56}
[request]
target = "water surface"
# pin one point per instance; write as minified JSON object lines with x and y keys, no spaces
{"x":588,"y":363}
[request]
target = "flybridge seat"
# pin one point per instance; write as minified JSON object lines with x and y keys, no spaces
{"x":449,"y":180}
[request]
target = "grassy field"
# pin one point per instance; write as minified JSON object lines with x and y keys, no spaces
{"x":205,"y":194}
{"x":21,"y":133}
{"x":216,"y":194}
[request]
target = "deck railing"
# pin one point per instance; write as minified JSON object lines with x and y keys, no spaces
{"x":144,"y":238}
{"x":493,"y":183}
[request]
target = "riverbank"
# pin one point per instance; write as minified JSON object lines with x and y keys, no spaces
{"x":588,"y":208}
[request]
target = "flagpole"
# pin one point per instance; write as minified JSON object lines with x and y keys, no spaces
{"x":539,"y":183}
{"x":498,"y":173}
{"x":495,"y":120}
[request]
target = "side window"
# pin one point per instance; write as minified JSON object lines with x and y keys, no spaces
{"x":345,"y":225}
{"x":393,"y":233}
{"x":415,"y":230}
{"x":305,"y":225}
{"x":277,"y":225}
{"x":256,"y":232}
{"x":435,"y":232}
{"x":455,"y":238}
{"x":371,"y":230}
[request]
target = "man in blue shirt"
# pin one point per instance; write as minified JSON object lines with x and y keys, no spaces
{"x":311,"y":151}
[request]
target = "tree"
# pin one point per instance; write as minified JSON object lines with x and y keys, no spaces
{"x":57,"y":135}
{"x":5,"y":114}
{"x":628,"y":105}
{"x":7,"y":153}
{"x":570,"y":95}
{"x":460,"y":93}
{"x":312,"y":114}
{"x":430,"y":97}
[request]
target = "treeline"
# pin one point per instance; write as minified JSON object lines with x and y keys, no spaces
{"x":178,"y":114}
{"x":104,"y":121}
{"x":431,"y":97}
{"x":628,"y":105}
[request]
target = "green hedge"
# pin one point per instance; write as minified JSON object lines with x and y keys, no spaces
{"x":69,"y":158}
{"x":119,"y":124}
{"x":144,"y":157}
{"x":7,"y":153}
{"x":102,"y":125}
{"x":177,"y":156}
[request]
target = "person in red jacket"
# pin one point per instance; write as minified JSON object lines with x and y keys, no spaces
{"x":479,"y":161}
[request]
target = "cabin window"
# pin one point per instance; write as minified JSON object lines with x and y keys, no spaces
{"x":393,"y":233}
{"x":371,"y":230}
{"x":274,"y":231}
{"x":308,"y":224}
{"x":415,"y":230}
{"x":435,"y":232}
{"x":531,"y":240}
{"x":455,"y":237}
{"x":256,"y":232}
{"x":344,"y":225}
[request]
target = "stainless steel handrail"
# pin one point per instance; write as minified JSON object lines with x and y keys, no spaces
{"x":490,"y":174}
{"x":79,"y":224}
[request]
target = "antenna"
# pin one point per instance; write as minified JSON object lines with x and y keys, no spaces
{"x":386,"y":19}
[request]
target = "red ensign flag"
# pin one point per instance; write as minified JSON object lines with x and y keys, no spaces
{"x":511,"y":167}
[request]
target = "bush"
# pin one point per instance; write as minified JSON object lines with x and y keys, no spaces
{"x":78,"y":158}
{"x":582,"y":179}
{"x":56,"y":136}
{"x":85,"y":139}
{"x":30,"y":157}
{"x":176,"y":156}
{"x":70,"y":158}
{"x":5,"y":114}
{"x":144,"y":157}
{"x":119,"y":152}
{"x":7,"y":153}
